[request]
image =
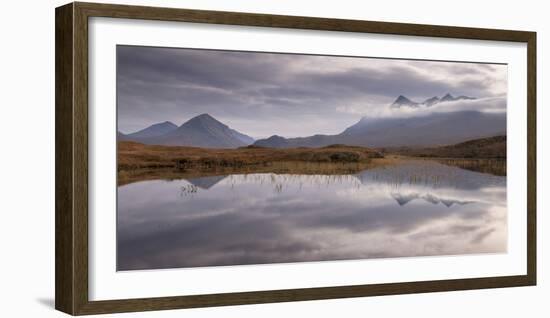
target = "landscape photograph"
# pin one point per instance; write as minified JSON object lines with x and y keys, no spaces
{"x":228,"y":158}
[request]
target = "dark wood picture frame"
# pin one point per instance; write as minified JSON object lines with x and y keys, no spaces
{"x":71,"y":220}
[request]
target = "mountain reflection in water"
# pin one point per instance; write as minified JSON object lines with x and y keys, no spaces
{"x":418,"y":208}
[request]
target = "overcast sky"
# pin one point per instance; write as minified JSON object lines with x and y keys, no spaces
{"x":262,"y":94}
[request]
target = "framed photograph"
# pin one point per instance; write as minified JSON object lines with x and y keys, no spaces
{"x":211,"y":158}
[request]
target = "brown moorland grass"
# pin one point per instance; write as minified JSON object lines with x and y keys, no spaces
{"x":483,"y":148}
{"x":138,"y":162}
{"x":486,"y":155}
{"x":495,"y":167}
{"x":132,"y":155}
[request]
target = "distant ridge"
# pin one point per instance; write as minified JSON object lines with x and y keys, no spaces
{"x":403,"y":101}
{"x":431,"y":101}
{"x":154,"y":130}
{"x":273,"y":142}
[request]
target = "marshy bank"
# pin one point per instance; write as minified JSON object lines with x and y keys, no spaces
{"x":495,"y":167}
{"x":138,"y":162}
{"x":145,"y":162}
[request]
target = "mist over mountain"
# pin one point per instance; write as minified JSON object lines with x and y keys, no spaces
{"x":403,"y":101}
{"x":200,"y":131}
{"x":424,"y":129}
{"x":420,"y":131}
{"x":431,"y":101}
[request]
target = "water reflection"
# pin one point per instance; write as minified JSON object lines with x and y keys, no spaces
{"x":418,"y":208}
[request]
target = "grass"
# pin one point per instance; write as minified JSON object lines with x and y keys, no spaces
{"x":137,"y":162}
{"x":492,"y":166}
{"x":486,"y":155}
{"x":279,"y":167}
{"x":146,"y":162}
{"x":483,"y":148}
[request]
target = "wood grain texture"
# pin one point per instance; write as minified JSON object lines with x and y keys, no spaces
{"x":64,"y":235}
{"x":532,"y":159}
{"x":80,"y":144}
{"x":72,"y":158}
{"x":165,"y":303}
{"x":297,"y":22}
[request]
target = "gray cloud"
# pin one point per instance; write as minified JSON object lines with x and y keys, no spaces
{"x":262,"y":94}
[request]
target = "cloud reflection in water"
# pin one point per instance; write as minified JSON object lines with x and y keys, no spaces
{"x":415,"y":209}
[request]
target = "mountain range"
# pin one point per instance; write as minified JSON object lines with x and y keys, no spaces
{"x":421,"y":131}
{"x":403,"y":101}
{"x":430,"y":129}
{"x":200,"y":131}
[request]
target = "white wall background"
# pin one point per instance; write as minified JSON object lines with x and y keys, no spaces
{"x":27,"y":158}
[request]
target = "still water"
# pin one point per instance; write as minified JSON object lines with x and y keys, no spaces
{"x":418,"y":208}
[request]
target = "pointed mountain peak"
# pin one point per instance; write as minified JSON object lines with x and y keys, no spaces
{"x":203,"y":119}
{"x":200,"y":131}
{"x":448,"y":97}
{"x":403,"y":101}
{"x":204,"y":116}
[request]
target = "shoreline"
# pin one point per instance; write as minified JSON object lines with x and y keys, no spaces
{"x":489,"y":166}
{"x":138,"y":162}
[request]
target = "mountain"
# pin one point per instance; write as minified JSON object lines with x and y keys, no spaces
{"x":428,"y":130}
{"x":200,"y":131}
{"x":273,"y":142}
{"x":247,"y":140}
{"x":403,"y":101}
{"x":421,"y":131}
{"x":450,"y":98}
{"x":154,"y":130}
{"x":431,"y":101}
{"x":465,"y":97}
{"x":312,"y":141}
{"x":447,"y":98}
